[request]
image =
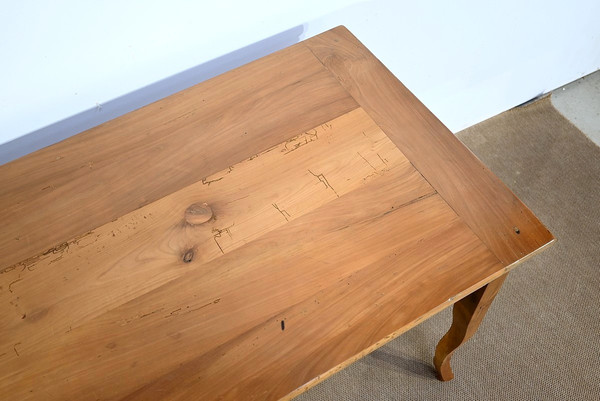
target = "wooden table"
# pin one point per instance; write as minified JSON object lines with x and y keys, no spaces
{"x":248,"y":237}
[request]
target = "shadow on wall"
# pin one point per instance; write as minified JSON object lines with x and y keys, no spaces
{"x":134,"y":100}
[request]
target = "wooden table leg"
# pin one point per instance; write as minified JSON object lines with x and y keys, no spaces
{"x":467,"y":315}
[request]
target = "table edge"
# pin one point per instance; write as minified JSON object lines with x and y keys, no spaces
{"x":332,"y":48}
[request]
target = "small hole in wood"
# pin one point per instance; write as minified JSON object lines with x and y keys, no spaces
{"x":282,"y":325}
{"x":188,"y":256}
{"x":517,"y":230}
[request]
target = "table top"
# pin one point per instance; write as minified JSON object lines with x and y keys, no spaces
{"x":244,"y":238}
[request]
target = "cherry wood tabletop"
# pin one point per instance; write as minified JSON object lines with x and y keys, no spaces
{"x":247,"y":237}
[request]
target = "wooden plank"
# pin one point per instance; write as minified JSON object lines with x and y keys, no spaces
{"x":81,"y":183}
{"x":245,"y":238}
{"x":351,"y":269}
{"x":248,"y":199}
{"x":489,"y":208}
{"x":348,"y":316}
{"x":46,"y":298}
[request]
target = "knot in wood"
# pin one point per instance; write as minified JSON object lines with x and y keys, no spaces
{"x":198,"y":213}
{"x":188,"y":256}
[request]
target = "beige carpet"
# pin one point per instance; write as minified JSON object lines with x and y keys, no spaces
{"x":541,"y":338}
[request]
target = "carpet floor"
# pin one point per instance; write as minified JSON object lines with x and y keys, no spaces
{"x":541,"y":337}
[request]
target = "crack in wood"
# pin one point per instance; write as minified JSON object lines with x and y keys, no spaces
{"x":307,"y":138}
{"x":323,"y":179}
{"x":218,"y":232}
{"x":366,"y":161}
{"x":382,"y":159}
{"x":188,"y":308}
{"x":30,"y":262}
{"x":283,"y":212}
{"x":206,"y":181}
{"x":420,"y":198}
{"x":150,"y":313}
{"x":13,"y":282}
{"x":15,"y":349}
{"x":217,"y":242}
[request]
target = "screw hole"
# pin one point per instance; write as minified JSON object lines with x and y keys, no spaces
{"x":517,"y":230}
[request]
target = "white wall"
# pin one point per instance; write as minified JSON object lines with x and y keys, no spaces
{"x":68,"y":65}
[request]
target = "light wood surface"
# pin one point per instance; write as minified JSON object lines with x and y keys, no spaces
{"x":490,"y":209}
{"x":245,"y":238}
{"x":329,"y":219}
{"x":95,"y":177}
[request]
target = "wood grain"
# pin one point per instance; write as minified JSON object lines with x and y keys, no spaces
{"x":57,"y":291}
{"x":81,"y":183}
{"x":347,"y":316}
{"x":343,"y":181}
{"x":467,"y":315}
{"x":245,"y":238}
{"x":490,"y":209}
{"x":352,"y":268}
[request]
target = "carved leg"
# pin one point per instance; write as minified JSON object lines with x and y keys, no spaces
{"x":467,"y":314}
